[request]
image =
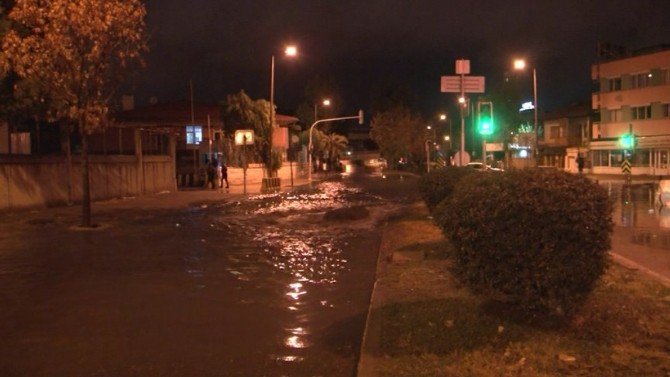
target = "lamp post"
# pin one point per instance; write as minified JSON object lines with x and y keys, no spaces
{"x":520,"y":64}
{"x":427,"y":143}
{"x":289,"y":51}
{"x":430,"y":127}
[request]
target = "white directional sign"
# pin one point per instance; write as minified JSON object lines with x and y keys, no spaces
{"x":244,"y":137}
{"x":462,"y":67}
{"x":471,"y":84}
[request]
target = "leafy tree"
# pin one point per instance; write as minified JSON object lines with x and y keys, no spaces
{"x":241,"y":112}
{"x":399,"y":134}
{"x":79,"y":52}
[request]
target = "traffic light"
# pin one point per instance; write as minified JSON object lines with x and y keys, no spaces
{"x":485,"y":125}
{"x":628,"y":141}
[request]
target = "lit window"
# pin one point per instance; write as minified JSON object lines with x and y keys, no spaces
{"x":193,"y":135}
{"x":641,"y":112}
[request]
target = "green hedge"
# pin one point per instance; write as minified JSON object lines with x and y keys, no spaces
{"x":538,"y":238}
{"x":440,"y":183}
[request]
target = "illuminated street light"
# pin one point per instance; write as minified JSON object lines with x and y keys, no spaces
{"x":443,"y":116}
{"x":520,"y":64}
{"x":289,"y":51}
{"x":325,"y":103}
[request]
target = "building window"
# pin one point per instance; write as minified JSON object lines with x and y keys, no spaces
{"x":193,"y":135}
{"x":616,"y":158}
{"x":641,"y":112}
{"x":665,"y":79}
{"x":614,"y":84}
{"x":665,"y":110}
{"x":640,"y":80}
{"x":616,"y":115}
{"x":600,"y":158}
{"x":640,"y":158}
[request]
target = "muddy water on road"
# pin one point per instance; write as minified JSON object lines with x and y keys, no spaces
{"x":263,"y":287}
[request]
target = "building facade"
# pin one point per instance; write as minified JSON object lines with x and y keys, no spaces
{"x":565,"y":137}
{"x":633,"y":96}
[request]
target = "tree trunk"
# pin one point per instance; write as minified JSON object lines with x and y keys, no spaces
{"x":85,"y":184}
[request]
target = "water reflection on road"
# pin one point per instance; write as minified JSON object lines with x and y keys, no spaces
{"x":259,"y":287}
{"x":284,"y":237}
{"x":641,"y":214}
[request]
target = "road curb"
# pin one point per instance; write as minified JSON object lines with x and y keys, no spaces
{"x":365,"y":366}
{"x":623,"y":261}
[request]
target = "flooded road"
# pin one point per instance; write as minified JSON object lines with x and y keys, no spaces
{"x":642,"y":225}
{"x":268,"y":286}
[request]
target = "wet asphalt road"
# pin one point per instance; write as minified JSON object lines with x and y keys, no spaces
{"x":262,"y":287}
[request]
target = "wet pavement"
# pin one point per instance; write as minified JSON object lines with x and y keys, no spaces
{"x":642,"y":227}
{"x":221,"y":287}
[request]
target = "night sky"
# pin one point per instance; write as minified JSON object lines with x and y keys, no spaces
{"x":225,"y":46}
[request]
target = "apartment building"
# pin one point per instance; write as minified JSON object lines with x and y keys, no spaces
{"x":633,"y":95}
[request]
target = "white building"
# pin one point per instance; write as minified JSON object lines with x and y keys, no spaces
{"x":634,"y":94}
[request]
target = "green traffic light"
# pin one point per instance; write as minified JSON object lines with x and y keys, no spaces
{"x":485,"y":127}
{"x":627,"y":141}
{"x":485,"y":124}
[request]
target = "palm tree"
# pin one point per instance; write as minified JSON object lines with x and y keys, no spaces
{"x":333,"y":146}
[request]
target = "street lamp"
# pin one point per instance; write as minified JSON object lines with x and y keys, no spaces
{"x":520,"y":64}
{"x":325,"y":103}
{"x":289,"y":51}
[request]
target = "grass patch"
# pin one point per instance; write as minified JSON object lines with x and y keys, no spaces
{"x":432,"y":326}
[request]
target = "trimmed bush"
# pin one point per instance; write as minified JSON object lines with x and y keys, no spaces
{"x":538,"y":238}
{"x":440,"y":183}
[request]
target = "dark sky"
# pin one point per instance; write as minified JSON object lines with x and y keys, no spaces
{"x":225,"y":46}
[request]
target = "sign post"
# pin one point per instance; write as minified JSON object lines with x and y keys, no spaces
{"x":462,"y":84}
{"x":244,"y":138}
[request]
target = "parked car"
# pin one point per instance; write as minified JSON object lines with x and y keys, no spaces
{"x":377,"y":163}
{"x":480,"y":167}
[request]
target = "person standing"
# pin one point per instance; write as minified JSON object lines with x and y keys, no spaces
{"x":211,"y":173}
{"x":580,"y":163}
{"x":224,"y":175}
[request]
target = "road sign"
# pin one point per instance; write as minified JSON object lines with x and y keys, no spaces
{"x":457,"y":158}
{"x":494,"y":147}
{"x":471,"y":84}
{"x":462,"y":67}
{"x":625,"y":166}
{"x":244,"y":137}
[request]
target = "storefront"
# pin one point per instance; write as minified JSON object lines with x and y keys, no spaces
{"x":650,"y":156}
